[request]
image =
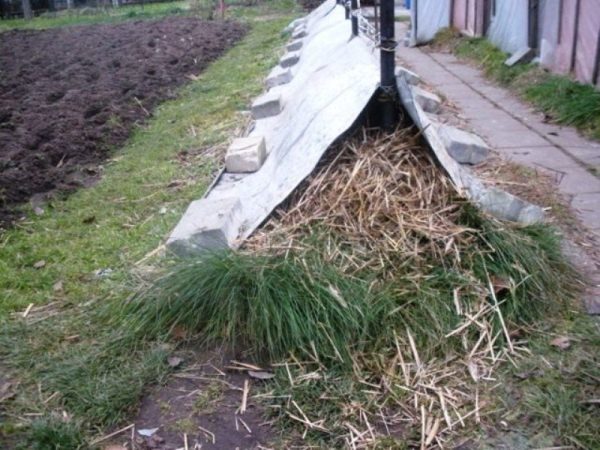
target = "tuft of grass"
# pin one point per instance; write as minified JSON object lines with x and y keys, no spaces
{"x":274,"y":305}
{"x":268,"y":305}
{"x":53,"y":433}
{"x":567,"y":101}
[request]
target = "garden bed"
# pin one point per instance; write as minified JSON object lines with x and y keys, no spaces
{"x":68,"y":96}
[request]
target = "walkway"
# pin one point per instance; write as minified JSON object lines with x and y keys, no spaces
{"x":512,"y":128}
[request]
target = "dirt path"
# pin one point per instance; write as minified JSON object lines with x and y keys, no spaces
{"x":69,"y":95}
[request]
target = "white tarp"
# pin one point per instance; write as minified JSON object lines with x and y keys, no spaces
{"x":332,"y":83}
{"x":427,"y":18}
{"x":509,"y":25}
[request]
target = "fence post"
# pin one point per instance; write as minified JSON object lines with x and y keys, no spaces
{"x":347,"y":8}
{"x":354,"y":17}
{"x":389,"y":91}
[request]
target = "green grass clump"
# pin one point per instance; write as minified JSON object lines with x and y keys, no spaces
{"x":54,"y":433}
{"x":274,"y":305}
{"x":268,"y":305}
{"x":491,"y":59}
{"x":567,"y":101}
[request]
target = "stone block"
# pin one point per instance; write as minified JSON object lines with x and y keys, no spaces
{"x":504,"y":205}
{"x":299,"y":32}
{"x":245,"y":154}
{"x":278,"y":76}
{"x":427,"y":100}
{"x":289,"y":59}
{"x":294,"y":45}
{"x":205,"y":226}
{"x":267,"y":105}
{"x":464,"y":147}
{"x":409,"y":76}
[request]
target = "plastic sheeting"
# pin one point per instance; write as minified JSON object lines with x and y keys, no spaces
{"x":332,"y":83}
{"x":427,"y":18}
{"x":509,"y":25}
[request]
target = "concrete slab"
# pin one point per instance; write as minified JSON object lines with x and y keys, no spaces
{"x":587,"y":209}
{"x":267,"y":105}
{"x":522,"y":56}
{"x":547,"y":158}
{"x":246,"y":154}
{"x":577,"y":180}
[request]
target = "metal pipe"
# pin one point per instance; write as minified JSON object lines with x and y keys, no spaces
{"x":354,"y":18}
{"x":389,"y":93}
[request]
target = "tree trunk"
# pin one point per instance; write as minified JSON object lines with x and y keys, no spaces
{"x":69,"y":4}
{"x":27,"y":13}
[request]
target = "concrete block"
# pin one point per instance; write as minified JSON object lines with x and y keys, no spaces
{"x":503,"y":205}
{"x":299,"y":32}
{"x":294,"y":45}
{"x":278,"y":76}
{"x":427,"y":100}
{"x":409,"y":76}
{"x":464,"y":147}
{"x":245,"y":154}
{"x":206,"y":225}
{"x":523,"y":55}
{"x":267,"y":105}
{"x":289,"y":59}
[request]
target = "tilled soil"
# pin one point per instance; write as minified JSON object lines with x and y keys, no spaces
{"x":70,"y":95}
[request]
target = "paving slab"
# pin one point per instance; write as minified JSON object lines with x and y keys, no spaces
{"x":513,"y":127}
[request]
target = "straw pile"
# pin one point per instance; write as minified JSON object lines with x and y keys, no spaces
{"x":379,"y":200}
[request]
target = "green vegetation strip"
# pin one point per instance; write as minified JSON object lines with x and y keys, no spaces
{"x":86,"y":248}
{"x":564,"y":99}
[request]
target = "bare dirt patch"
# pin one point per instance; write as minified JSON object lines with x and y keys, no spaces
{"x":203,"y":403}
{"x":70,"y":95}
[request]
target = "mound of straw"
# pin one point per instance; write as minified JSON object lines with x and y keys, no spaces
{"x":382,"y":197}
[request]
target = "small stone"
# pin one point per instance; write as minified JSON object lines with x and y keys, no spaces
{"x":290,"y":59}
{"x":410,"y":77}
{"x":464,"y":147}
{"x":294,"y":45}
{"x":427,"y":100}
{"x":278,"y":76}
{"x":246,"y":154}
{"x":39,"y":264}
{"x":267,"y":105}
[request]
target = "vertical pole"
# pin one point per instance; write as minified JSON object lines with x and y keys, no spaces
{"x":347,"y":8}
{"x":387,"y":66}
{"x":354,"y":18}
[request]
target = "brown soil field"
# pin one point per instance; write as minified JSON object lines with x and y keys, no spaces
{"x":70,"y":95}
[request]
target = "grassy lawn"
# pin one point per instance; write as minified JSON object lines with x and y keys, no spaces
{"x":90,"y":243}
{"x":567,"y":101}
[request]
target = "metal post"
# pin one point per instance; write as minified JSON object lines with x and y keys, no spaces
{"x":354,"y":18}
{"x":389,"y":91}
